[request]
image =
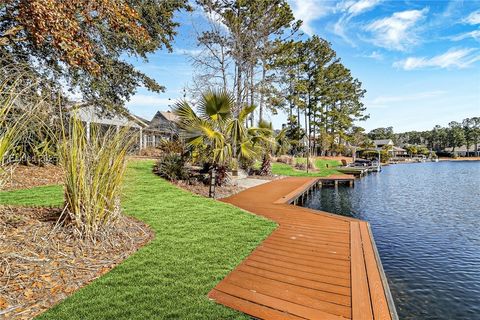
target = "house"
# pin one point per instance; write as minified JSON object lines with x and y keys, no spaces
{"x":463,"y":152}
{"x":162,"y":126}
{"x":150,"y":133}
{"x":387,"y":144}
{"x":90,"y":114}
{"x":382,"y":143}
{"x":399,"y":152}
{"x":165,"y":122}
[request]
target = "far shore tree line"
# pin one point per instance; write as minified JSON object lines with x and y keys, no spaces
{"x":455,"y":135}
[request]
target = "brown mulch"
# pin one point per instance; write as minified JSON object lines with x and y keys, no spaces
{"x":42,"y":263}
{"x":21,"y":177}
{"x":202,"y":189}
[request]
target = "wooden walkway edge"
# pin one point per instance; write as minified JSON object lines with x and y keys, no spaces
{"x":315,"y":265}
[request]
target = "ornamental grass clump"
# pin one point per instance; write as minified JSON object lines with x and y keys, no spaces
{"x":94,"y":167}
{"x":11,"y":126}
{"x":8,"y":134}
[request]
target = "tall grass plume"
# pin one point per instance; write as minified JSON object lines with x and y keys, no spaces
{"x":94,"y":169}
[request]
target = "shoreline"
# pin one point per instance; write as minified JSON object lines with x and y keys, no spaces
{"x":460,"y":159}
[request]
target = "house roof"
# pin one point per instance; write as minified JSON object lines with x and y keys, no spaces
{"x":383,"y":142}
{"x":169,"y":116}
{"x":398,"y":149}
{"x":94,"y":114}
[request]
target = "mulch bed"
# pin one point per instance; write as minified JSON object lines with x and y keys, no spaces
{"x":22,"y":177}
{"x":42,"y":263}
{"x":202,"y":189}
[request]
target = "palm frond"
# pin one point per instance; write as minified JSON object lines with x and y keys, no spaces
{"x":245,"y":112}
{"x":216,"y":105}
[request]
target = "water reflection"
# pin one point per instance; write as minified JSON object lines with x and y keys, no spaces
{"x":426,"y":223}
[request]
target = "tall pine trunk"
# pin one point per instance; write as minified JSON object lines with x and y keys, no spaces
{"x":262,"y":93}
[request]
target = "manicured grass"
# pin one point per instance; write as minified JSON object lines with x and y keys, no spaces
{"x":321,"y":165}
{"x":37,"y":196}
{"x":198,"y":241}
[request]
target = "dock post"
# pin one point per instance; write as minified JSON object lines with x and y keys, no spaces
{"x":336,"y":183}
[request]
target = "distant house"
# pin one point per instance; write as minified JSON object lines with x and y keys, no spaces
{"x":399,"y":152}
{"x":164,"y":122}
{"x":162,"y":126}
{"x":150,"y":133}
{"x":463,"y":152}
{"x":388,"y":144}
{"x":380,"y":144}
{"x":90,"y":114}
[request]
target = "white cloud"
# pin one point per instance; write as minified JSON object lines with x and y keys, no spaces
{"x":397,"y":32}
{"x":354,"y":8}
{"x":473,"y":18}
{"x":453,"y":58}
{"x":188,"y":52}
{"x":374,"y":55}
{"x":145,"y":100}
{"x":309,"y":11}
{"x":351,"y":9}
{"x":472,"y":34}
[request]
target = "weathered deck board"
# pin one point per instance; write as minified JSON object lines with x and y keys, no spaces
{"x":315,"y":265}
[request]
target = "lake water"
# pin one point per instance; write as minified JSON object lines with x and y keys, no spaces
{"x":425,"y":219}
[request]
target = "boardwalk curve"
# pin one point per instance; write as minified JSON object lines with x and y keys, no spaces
{"x":315,"y":265}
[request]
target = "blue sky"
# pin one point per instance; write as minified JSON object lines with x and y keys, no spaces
{"x":418,"y":60}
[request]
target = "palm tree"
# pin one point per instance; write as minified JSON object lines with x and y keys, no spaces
{"x":269,"y":143}
{"x":282,"y":142}
{"x":213,"y":130}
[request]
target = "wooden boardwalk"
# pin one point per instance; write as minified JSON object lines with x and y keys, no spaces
{"x":315,"y":265}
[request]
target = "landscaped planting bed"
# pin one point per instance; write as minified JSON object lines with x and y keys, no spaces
{"x":197,"y":242}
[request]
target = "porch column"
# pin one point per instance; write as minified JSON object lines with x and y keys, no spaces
{"x":87,"y":127}
{"x":141,"y":140}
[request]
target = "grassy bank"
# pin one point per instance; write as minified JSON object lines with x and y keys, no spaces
{"x":324,"y":167}
{"x":198,"y":241}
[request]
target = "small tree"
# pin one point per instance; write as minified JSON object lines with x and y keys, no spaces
{"x":214,"y":131}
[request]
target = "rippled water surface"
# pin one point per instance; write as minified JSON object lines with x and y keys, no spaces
{"x":425,"y":219}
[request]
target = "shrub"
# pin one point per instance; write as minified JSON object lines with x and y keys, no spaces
{"x":171,"y":166}
{"x":286,"y":159}
{"x":172,"y":146}
{"x":247,"y":164}
{"x":221,"y":174}
{"x":94,"y":172}
{"x":301,"y":164}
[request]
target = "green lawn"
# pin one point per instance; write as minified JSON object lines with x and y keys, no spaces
{"x":321,"y":165}
{"x":198,"y":241}
{"x":38,"y":196}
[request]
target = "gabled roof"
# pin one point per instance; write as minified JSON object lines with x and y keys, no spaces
{"x":169,"y":116}
{"x":383,"y":142}
{"x":398,"y":149}
{"x":95,"y":114}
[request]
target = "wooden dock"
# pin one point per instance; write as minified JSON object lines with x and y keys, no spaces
{"x":358,"y":171}
{"x":315,"y":265}
{"x":337,"y":179}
